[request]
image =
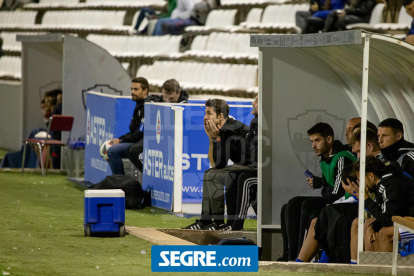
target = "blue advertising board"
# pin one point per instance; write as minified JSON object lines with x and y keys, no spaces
{"x":158,"y":165}
{"x":106,"y":117}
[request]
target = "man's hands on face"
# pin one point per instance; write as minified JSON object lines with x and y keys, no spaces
{"x":353,"y":188}
{"x":114,"y":141}
{"x":310,"y":181}
{"x":211,"y":129}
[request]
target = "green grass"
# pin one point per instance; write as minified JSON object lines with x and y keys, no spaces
{"x":41,"y":232}
{"x":2,"y":153}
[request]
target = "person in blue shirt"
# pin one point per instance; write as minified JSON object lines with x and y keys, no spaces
{"x":409,"y":8}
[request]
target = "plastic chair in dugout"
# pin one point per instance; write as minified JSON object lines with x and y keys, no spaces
{"x":56,"y":123}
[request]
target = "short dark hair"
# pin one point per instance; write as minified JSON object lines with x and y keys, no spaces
{"x":170,"y":86}
{"x":369,"y":125}
{"x":372,"y":137}
{"x":372,"y":165}
{"x":394,"y":124}
{"x":219,"y":106}
{"x":53,"y":93}
{"x":143,"y":81}
{"x":348,"y":172}
{"x":407,"y":2}
{"x":323,"y":129}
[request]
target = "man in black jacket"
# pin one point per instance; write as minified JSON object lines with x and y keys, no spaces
{"x":297,"y":214}
{"x":172,"y":93}
{"x":131,"y":144}
{"x":394,"y":147}
{"x":226,"y":138}
{"x":394,"y":196}
{"x":359,"y":11}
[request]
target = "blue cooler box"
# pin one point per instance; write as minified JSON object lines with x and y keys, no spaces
{"x":104,"y":212}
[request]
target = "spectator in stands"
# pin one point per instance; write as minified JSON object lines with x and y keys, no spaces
{"x":131,"y":144}
{"x":331,"y":229}
{"x":198,"y":16}
{"x":394,"y":196}
{"x":297,"y":214}
{"x":149,"y":13}
{"x":302,"y":16}
{"x":316,"y":22}
{"x":359,"y":11}
{"x":181,"y":11}
{"x":226,"y":138}
{"x":409,"y":8}
{"x":393,"y":145}
{"x":172,"y":93}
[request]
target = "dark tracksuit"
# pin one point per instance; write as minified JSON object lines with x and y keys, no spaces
{"x":246,"y":180}
{"x":394,"y":196}
{"x":229,"y":145}
{"x":401,"y":152}
{"x":182,"y":99}
{"x":297,"y":214}
{"x":136,"y":134}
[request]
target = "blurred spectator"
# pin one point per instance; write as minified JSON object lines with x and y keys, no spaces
{"x":181,"y":12}
{"x":302,"y":16}
{"x":316,"y":22}
{"x":409,"y":8}
{"x":149,"y":13}
{"x":359,"y":11}
{"x":198,"y":16}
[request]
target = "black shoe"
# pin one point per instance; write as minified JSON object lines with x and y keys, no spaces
{"x":198,"y":225}
{"x":282,"y":259}
{"x":211,"y":227}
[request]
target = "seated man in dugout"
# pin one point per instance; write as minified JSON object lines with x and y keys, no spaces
{"x":171,"y":93}
{"x":394,"y":196}
{"x":393,"y":145}
{"x":299,"y":211}
{"x":335,"y":220}
{"x":226,"y":142}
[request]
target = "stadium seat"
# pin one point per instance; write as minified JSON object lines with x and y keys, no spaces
{"x":278,"y":18}
{"x":137,"y":46}
{"x":403,"y":23}
{"x":223,"y":45}
{"x":217,"y":20}
{"x":16,"y":20}
{"x":254,"y":16}
{"x":10,"y":68}
{"x":202,"y":77}
{"x":376,"y":18}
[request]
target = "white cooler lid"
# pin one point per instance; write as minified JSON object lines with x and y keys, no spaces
{"x":105,"y":193}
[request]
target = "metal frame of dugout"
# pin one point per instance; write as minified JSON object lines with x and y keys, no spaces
{"x":327,"y":77}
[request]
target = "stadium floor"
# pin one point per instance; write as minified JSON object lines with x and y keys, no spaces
{"x":41,"y":226}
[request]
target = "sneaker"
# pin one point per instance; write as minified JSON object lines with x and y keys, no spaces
{"x":210,"y":227}
{"x":198,"y":225}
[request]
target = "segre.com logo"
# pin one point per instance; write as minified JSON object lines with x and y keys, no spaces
{"x":204,"y":258}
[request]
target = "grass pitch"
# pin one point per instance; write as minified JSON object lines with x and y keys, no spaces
{"x":41,"y":232}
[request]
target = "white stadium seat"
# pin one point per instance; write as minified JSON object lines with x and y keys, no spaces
{"x":138,"y":46}
{"x":217,"y":20}
{"x":403,"y":23}
{"x":195,"y":76}
{"x":278,"y":17}
{"x":15,"y":20}
{"x":10,"y":67}
{"x":223,"y":45}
